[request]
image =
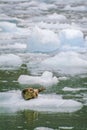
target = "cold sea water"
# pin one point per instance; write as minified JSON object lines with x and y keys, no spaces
{"x":43,"y":43}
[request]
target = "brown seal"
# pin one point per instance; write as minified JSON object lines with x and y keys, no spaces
{"x":30,"y":93}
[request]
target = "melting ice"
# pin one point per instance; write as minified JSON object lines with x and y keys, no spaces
{"x":46,"y":79}
{"x":10,"y":61}
{"x":44,"y":103}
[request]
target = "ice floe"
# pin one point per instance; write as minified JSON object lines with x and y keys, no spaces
{"x":71,"y":39}
{"x":73,"y":89}
{"x":67,"y":62}
{"x":13,"y":0}
{"x":54,"y":25}
{"x":69,"y":58}
{"x":65,"y":128}
{"x":8,"y":27}
{"x":51,"y":18}
{"x":12,"y":101}
{"x":46,"y":79}
{"x":6,"y":18}
{"x":10,"y":61}
{"x":84,"y":98}
{"x":43,"y":128}
{"x":76,"y":8}
{"x":45,"y":40}
{"x":42,"y":40}
{"x":57,"y":17}
{"x":16,"y":46}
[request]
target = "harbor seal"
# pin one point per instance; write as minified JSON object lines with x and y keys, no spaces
{"x":30,"y":93}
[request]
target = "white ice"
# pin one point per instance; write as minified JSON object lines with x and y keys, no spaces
{"x":65,"y":128}
{"x":10,"y":61}
{"x":55,"y":26}
{"x":13,"y":0}
{"x":12,"y":101}
{"x":8,"y":27}
{"x":67,"y":59}
{"x":17,"y":46}
{"x":84,"y":98}
{"x":73,"y":89}
{"x":71,"y":39}
{"x":66,"y":62}
{"x":42,"y":40}
{"x":76,"y":8}
{"x":46,"y":79}
{"x":56,"y":17}
{"x":6,"y":18}
{"x":43,"y":128}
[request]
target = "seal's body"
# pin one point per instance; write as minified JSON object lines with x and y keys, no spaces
{"x":30,"y":93}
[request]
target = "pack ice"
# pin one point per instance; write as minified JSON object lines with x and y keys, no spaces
{"x":44,"y":40}
{"x":10,"y":61}
{"x":68,"y":62}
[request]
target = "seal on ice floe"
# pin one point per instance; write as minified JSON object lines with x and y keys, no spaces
{"x":30,"y":93}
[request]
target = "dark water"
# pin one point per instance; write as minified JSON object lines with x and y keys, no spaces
{"x":29,"y":120}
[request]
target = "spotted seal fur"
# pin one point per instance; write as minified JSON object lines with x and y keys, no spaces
{"x":30,"y":93}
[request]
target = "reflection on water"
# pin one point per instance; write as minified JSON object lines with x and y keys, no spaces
{"x":29,"y":120}
{"x":30,"y":116}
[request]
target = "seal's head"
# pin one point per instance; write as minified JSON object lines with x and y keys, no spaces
{"x":30,"y":93}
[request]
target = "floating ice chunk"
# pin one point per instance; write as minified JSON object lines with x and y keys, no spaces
{"x":71,"y":37}
{"x":69,"y":58}
{"x":73,"y":89}
{"x":10,"y":27}
{"x":65,"y":128}
{"x":6,"y":18}
{"x":85,"y":99}
{"x":46,"y":79}
{"x":57,"y":17}
{"x":16,"y":46}
{"x":53,"y":26}
{"x":56,"y":25}
{"x":12,"y":101}
{"x":10,"y":61}
{"x":85,"y":42}
{"x":62,"y":78}
{"x":77,"y":8}
{"x":13,"y":0}
{"x":42,"y":40}
{"x":44,"y":6}
{"x":43,"y":128}
{"x":68,"y":62}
